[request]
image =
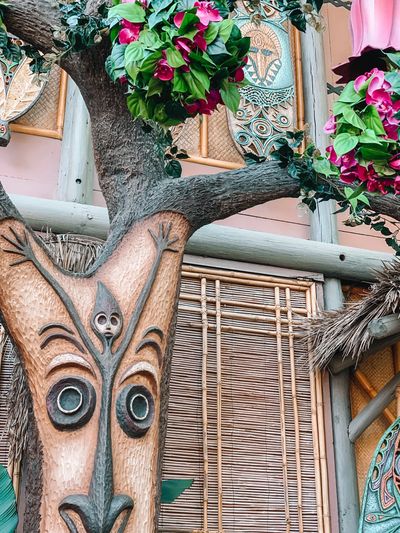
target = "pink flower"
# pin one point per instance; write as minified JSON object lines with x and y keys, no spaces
{"x":164,"y":72}
{"x":348,"y":161}
{"x":391,"y":126}
{"x":207,"y":13}
{"x":333,"y":157}
{"x":330,"y":126}
{"x":184,"y":46}
{"x":239,"y":75}
{"x":179,"y":18}
{"x":396,"y":185}
{"x":200,"y":42}
{"x":395,"y":162}
{"x":130,"y":32}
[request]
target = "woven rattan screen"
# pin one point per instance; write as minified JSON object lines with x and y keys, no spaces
{"x":243,"y":416}
{"x":6,"y":366}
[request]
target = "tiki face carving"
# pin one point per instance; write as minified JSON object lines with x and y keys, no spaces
{"x":97,"y":394}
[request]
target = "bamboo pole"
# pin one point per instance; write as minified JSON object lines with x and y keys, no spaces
{"x":245,"y":278}
{"x":245,"y":316}
{"x":282,"y":408}
{"x":236,"y":303}
{"x":204,"y":136}
{"x":296,"y":413}
{"x":219,"y":401}
{"x":314,"y":420}
{"x":238,"y":329}
{"x":364,"y":384}
{"x":321,"y":433}
{"x":204,"y":322}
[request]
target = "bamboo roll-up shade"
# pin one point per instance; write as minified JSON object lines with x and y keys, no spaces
{"x":6,"y":368}
{"x":247,"y":435}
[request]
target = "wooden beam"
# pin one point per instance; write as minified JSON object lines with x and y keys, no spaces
{"x":384,"y":327}
{"x":364,"y":384}
{"x":217,"y":241}
{"x":338,"y":364}
{"x":374,"y":408}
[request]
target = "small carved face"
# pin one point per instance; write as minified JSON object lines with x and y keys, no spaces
{"x":108,"y":326}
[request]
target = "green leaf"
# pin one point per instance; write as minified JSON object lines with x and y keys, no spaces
{"x":352,"y":118}
{"x":339,"y":108}
{"x":372,"y":120}
{"x":179,"y":84}
{"x":8,"y":504}
{"x":322,"y":166}
{"x":171,"y":489}
{"x":134,"y":52}
{"x":211,"y":32}
{"x":394,"y":58}
{"x":196,"y":90}
{"x":230,"y":96}
{"x":131,"y":12}
{"x":174,"y":58}
{"x":376,"y":154}
{"x":137,"y":105}
{"x":225,"y":29}
{"x":344,"y":143}
{"x":150,"y":40}
{"x":202,"y":77}
{"x":155,"y":87}
{"x":174,"y":169}
{"x":190,"y":19}
{"x":160,"y":5}
{"x":217,"y":48}
{"x":369,"y":137}
{"x":349,"y":95}
{"x":393,"y":78}
{"x":115,"y":63}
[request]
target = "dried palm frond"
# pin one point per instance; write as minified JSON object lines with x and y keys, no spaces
{"x":346,"y":331}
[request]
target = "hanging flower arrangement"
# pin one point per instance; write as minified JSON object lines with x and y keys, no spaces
{"x":364,"y":127}
{"x":176,"y":59}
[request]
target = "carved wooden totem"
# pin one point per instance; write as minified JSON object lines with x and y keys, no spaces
{"x":94,"y":363}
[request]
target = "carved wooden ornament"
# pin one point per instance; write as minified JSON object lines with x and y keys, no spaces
{"x":94,"y":348}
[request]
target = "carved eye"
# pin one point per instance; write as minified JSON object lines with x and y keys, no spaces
{"x":101,"y":319}
{"x":70,"y":403}
{"x":115,"y":320}
{"x":135,"y":410}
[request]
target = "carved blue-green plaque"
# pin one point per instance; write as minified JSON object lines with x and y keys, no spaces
{"x":267,"y":106}
{"x":381,"y":503}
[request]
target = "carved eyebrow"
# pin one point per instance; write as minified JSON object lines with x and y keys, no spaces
{"x":137,"y":368}
{"x":69,"y":359}
{"x":68,"y":336}
{"x":151,"y":342}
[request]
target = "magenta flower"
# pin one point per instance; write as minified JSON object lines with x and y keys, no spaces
{"x":207,"y":13}
{"x":179,"y":18}
{"x":205,"y":107}
{"x":130,"y":32}
{"x":330,"y":126}
{"x":239,"y":75}
{"x":200,"y":42}
{"x":391,"y":126}
{"x":395,"y":162}
{"x":333,"y":157}
{"x":396,"y":185}
{"x":164,"y":71}
{"x":184,"y":46}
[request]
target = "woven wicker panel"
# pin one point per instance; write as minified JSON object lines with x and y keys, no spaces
{"x":252,"y":480}
{"x":6,"y":367}
{"x":187,"y":136}
{"x":43,"y":114}
{"x":220,"y":143}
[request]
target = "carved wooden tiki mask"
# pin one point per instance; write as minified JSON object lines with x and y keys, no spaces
{"x":95,"y":351}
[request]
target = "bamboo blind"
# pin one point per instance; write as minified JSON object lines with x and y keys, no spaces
{"x":6,"y":366}
{"x":245,"y":415}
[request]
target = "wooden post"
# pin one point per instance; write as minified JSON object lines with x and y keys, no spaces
{"x":324,"y":228}
{"x":384,"y":327}
{"x":75,"y":180}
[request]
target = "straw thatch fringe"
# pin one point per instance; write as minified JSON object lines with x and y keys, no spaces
{"x":76,"y":254}
{"x":345,"y":331}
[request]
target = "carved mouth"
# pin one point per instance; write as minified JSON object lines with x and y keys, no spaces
{"x":93,"y":519}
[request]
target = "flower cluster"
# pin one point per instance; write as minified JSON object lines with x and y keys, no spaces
{"x":177,"y":58}
{"x":365,"y":128}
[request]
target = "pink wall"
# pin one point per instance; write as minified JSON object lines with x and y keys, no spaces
{"x":29,"y":165}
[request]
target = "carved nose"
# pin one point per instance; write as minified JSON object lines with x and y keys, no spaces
{"x":96,"y":520}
